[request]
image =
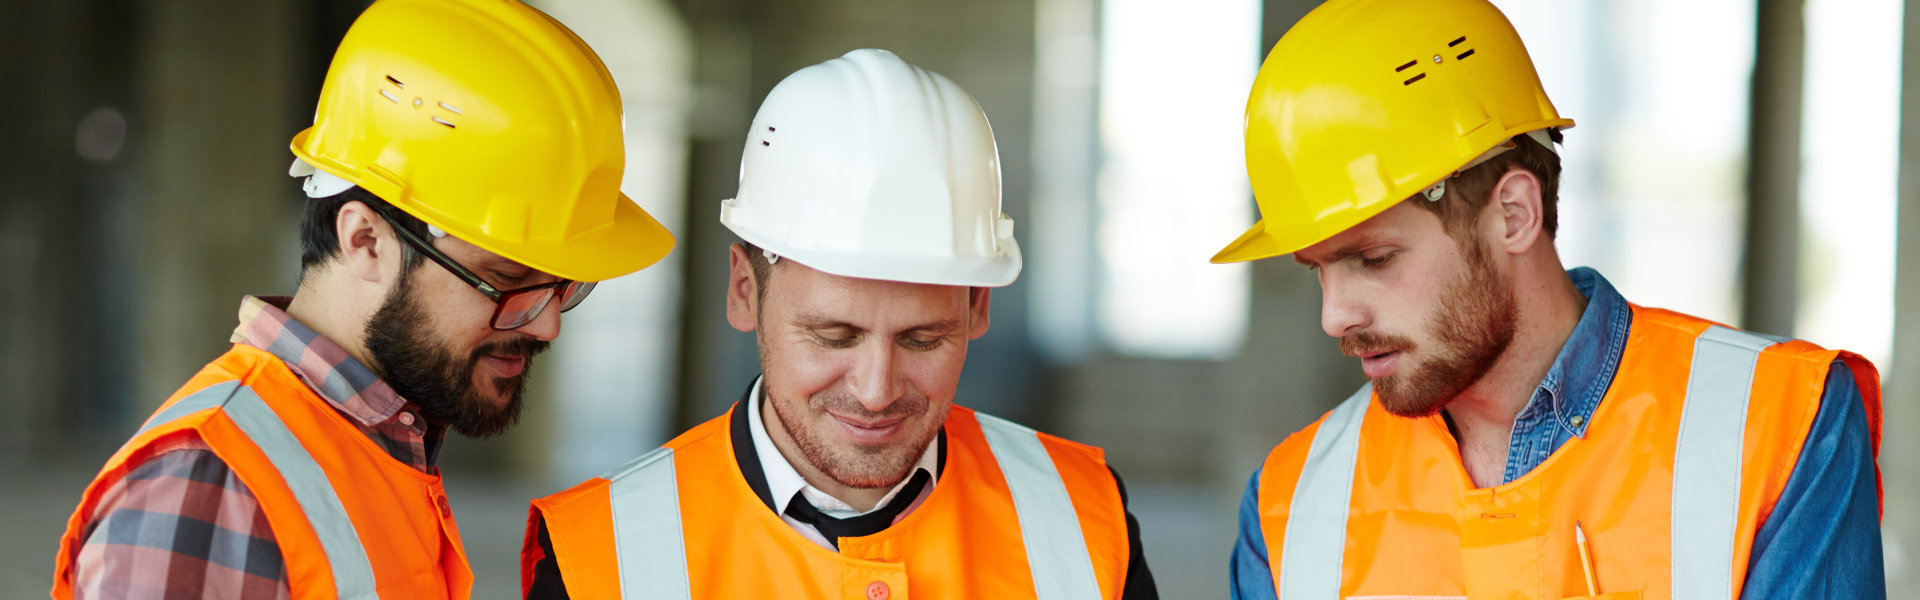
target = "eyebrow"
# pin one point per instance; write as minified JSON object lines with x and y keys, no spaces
{"x":813,"y":321}
{"x":1342,"y":252}
{"x":941,"y":326}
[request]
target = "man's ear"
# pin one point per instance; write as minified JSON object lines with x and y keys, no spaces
{"x":978,"y":300}
{"x":743,"y":293}
{"x":363,"y":250}
{"x":1517,"y":211}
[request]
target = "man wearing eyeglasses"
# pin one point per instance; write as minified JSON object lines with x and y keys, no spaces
{"x":481,"y":137}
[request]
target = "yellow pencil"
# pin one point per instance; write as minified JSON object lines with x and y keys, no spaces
{"x":1586,"y":558}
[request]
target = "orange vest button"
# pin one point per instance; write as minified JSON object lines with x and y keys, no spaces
{"x":878,"y":591}
{"x":446,"y":510}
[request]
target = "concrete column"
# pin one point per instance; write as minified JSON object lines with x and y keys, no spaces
{"x":65,"y":231}
{"x":218,"y":215}
{"x":1772,"y":251}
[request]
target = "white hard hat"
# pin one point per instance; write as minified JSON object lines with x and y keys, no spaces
{"x":866,"y":166}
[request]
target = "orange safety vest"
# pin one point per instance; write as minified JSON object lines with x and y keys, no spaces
{"x":351,"y":521}
{"x":1684,"y":459}
{"x":1016,"y":514}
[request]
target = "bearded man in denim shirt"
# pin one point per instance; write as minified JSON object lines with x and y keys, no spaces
{"x":1527,"y":432}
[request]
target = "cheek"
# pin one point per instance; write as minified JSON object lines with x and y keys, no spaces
{"x":1402,"y":302}
{"x":457,"y":309}
{"x":934,"y":375}
{"x":801,"y":369}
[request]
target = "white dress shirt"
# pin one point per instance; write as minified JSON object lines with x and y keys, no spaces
{"x":785,"y":482}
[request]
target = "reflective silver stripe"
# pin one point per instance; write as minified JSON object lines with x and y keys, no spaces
{"x":1707,"y":461}
{"x":352,"y":572}
{"x":1316,"y":538}
{"x":1056,"y":550}
{"x":214,"y":395}
{"x":647,"y":534}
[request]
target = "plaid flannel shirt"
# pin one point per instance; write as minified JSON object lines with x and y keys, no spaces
{"x":180,"y":524}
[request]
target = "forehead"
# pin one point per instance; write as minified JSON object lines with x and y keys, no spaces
{"x":870,"y":303}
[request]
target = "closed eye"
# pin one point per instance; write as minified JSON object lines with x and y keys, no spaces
{"x":921,"y":344}
{"x":836,"y":340}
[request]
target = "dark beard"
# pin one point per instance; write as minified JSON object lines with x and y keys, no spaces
{"x":1471,"y":329}
{"x":427,"y":374}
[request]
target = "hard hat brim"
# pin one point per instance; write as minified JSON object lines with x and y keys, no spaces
{"x":999,"y":270}
{"x":631,"y":241}
{"x":1255,"y":244}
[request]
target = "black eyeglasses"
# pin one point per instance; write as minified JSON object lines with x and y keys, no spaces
{"x":512,"y":309}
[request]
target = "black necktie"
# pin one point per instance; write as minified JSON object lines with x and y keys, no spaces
{"x":868,"y":524}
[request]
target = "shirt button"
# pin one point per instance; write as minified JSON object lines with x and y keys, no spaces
{"x":406,"y":418}
{"x":1576,"y":420}
{"x":878,"y":591}
{"x":446,"y":510}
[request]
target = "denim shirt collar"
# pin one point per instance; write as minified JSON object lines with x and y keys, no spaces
{"x":1584,"y":369}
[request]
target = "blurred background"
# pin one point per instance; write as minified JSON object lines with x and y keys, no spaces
{"x":1742,"y":160}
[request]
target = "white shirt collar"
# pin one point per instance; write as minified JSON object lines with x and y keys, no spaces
{"x":783,"y":481}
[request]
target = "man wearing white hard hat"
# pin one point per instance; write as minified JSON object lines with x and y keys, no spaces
{"x":869,"y":207}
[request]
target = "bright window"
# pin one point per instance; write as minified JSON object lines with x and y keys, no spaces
{"x":1849,"y":135}
{"x":1172,"y":185}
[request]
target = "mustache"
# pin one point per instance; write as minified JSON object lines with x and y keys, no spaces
{"x":844,"y":404}
{"x":516,"y":347}
{"x":1366,"y":343}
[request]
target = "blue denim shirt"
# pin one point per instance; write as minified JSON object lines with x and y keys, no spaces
{"x":1822,"y":539}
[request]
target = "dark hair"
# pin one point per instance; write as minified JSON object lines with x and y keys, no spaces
{"x":320,"y":244}
{"x":1469,"y":192}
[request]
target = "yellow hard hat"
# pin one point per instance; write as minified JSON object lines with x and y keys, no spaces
{"x":491,"y":121}
{"x":1365,"y":103}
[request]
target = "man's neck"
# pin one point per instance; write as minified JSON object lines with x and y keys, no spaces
{"x":1484,"y":414}
{"x":334,"y":321}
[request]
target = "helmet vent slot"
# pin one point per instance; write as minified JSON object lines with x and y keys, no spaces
{"x":1406,"y":66}
{"x":1413,"y":79}
{"x":1464,"y":55}
{"x":396,"y":82}
{"x":455,"y":109}
{"x":390,"y":96}
{"x":769,"y":128}
{"x":765,"y":143}
{"x":445,"y":122}
{"x":1457,"y":41}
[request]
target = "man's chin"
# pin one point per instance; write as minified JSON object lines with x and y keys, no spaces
{"x":1401,"y":402}
{"x":868,"y":481}
{"x":868,"y":470}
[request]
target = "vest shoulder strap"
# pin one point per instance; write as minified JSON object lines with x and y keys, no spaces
{"x":649,"y":542}
{"x":1707,"y":461}
{"x":1316,"y":534}
{"x":1056,"y":548}
{"x":326,"y":514}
